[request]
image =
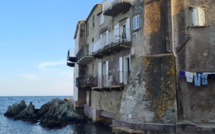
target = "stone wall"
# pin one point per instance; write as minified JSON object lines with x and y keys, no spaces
{"x":150,"y":96}
{"x":196,"y":55}
{"x":107,"y":101}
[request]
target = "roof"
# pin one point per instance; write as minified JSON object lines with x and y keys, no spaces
{"x":79,"y":22}
{"x":97,"y":5}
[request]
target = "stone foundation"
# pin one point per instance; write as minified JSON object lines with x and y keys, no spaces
{"x":159,"y":128}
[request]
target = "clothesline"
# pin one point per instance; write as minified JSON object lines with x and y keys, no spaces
{"x":199,"y":78}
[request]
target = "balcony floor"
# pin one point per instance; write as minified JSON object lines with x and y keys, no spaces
{"x":85,"y":60}
{"x":109,"y":88}
{"x":117,"y":8}
{"x":111,"y":48}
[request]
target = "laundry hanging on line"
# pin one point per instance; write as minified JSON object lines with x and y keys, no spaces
{"x":198,"y":78}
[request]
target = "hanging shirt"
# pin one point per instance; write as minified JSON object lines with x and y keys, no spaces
{"x":197,"y":79}
{"x":189,"y":76}
{"x":182,"y":74}
{"x":204,"y":78}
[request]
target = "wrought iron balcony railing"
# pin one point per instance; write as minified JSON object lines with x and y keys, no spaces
{"x":114,"y":38}
{"x":84,"y":55}
{"x":86,"y":81}
{"x":113,"y":79}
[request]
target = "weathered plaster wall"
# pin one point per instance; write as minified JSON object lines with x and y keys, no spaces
{"x":108,"y":101}
{"x":93,"y":30}
{"x":150,"y":38}
{"x":197,"y":55}
{"x":150,"y":95}
{"x":138,"y":39}
{"x":113,"y":59}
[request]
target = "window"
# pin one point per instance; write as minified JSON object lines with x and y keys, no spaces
{"x":93,"y":21}
{"x":198,"y":17}
{"x":136,"y":22}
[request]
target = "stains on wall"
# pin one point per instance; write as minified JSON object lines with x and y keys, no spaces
{"x":107,"y":101}
{"x":151,"y":95}
{"x":198,"y":55}
{"x":160,"y":86}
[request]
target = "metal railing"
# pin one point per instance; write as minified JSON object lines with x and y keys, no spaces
{"x":113,"y":79}
{"x":115,"y":36}
{"x":87,"y":81}
{"x":84,"y":51}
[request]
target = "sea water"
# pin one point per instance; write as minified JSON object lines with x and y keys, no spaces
{"x":9,"y":126}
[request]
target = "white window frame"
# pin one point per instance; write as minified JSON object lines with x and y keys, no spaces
{"x":198,"y":17}
{"x":136,"y":22}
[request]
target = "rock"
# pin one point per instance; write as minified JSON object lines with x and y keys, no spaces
{"x":15,"y":109}
{"x":26,"y":113}
{"x":72,"y":116}
{"x":45,"y":108}
{"x":54,"y":114}
{"x":52,"y":123}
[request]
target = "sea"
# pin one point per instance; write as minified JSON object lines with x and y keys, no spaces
{"x":9,"y":126}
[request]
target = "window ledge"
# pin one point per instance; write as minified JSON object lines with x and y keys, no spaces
{"x":137,"y":29}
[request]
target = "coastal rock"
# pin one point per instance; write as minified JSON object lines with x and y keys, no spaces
{"x":72,"y":116}
{"x":46,"y":107}
{"x":53,"y":117}
{"x":58,"y":113}
{"x":54,"y":114}
{"x":28,"y":112}
{"x":15,"y":109}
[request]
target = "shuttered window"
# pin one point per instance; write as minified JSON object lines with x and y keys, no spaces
{"x":136,"y":22}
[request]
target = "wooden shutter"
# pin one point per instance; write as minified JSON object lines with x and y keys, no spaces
{"x":120,"y":70}
{"x":107,"y":72}
{"x":101,"y":42}
{"x":128,"y":31}
{"x":116,"y":33}
{"x":100,"y":74}
{"x":107,"y":38}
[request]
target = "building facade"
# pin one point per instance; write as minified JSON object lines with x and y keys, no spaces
{"x":149,"y":65}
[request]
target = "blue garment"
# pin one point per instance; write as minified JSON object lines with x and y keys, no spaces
{"x":182,"y":74}
{"x":204,"y":79}
{"x":197,"y":79}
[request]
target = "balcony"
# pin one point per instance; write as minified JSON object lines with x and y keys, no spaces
{"x":112,"y":81}
{"x":112,"y":42}
{"x":114,"y":7}
{"x":86,"y":81}
{"x":71,"y":59}
{"x":84,"y":55}
{"x":71,"y":64}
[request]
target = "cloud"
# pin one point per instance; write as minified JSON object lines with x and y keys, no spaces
{"x":50,"y":64}
{"x":28,"y":76}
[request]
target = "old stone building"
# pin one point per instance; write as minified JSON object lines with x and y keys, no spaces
{"x":149,"y":65}
{"x":103,"y":59}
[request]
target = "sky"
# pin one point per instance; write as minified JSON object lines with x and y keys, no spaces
{"x":35,"y":36}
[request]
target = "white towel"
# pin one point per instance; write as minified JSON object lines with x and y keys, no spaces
{"x":189,"y":76}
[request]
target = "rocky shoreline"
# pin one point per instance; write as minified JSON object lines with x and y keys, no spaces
{"x":53,"y":114}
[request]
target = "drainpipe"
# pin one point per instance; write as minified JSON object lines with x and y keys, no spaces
{"x":175,"y":54}
{"x":172,"y":28}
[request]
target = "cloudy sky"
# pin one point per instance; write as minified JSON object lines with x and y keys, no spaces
{"x":35,"y":36}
